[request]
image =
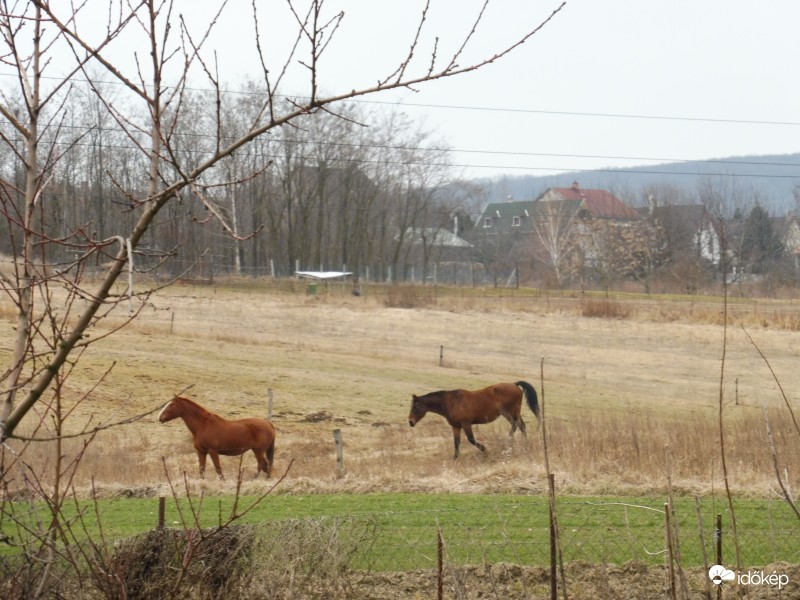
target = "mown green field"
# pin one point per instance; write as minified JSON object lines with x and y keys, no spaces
{"x":387,"y":532}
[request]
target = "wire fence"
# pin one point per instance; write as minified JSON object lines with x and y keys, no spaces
{"x":503,"y":548}
{"x":595,"y":531}
{"x":451,"y":546}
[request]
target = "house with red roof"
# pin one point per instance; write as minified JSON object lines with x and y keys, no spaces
{"x":592,"y":204}
{"x":587,"y":204}
{"x":570,"y":228}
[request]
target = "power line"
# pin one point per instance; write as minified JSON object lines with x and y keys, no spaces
{"x":208,"y":136}
{"x":559,"y":169}
{"x":510,"y":168}
{"x":499,"y":109}
{"x":583,"y":113}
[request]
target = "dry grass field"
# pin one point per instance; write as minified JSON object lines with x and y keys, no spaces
{"x":628,"y":382}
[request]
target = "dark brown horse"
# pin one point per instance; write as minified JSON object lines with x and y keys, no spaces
{"x":462,"y":408}
{"x":213,"y":435}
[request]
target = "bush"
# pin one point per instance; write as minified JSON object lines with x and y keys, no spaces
{"x":409,"y":296}
{"x":308,"y":558}
{"x":605,"y":308}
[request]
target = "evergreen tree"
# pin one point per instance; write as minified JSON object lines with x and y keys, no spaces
{"x":761,"y":245}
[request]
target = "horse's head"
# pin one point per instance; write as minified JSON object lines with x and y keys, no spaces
{"x":171,"y":410}
{"x":418,"y":410}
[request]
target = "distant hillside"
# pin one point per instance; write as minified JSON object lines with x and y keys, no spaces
{"x":768,"y":179}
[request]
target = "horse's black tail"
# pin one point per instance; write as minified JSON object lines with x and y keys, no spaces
{"x":530,"y":396}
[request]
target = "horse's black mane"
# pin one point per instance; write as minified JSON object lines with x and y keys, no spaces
{"x":437,"y":395}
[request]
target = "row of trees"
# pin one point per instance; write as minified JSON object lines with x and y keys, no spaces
{"x":349,"y":188}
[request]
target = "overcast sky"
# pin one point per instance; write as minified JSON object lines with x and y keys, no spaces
{"x":655,"y":79}
{"x":604,"y":84}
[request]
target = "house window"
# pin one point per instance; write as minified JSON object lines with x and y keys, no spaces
{"x":515,"y":221}
{"x":487,"y":222}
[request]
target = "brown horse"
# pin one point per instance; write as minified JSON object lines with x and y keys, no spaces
{"x":462,"y":408}
{"x":214,"y":435}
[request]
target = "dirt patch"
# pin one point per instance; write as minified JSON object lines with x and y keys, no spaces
{"x":312,"y":558}
{"x":147,"y":491}
{"x":318,"y":417}
{"x":238,"y":561}
{"x":632,"y":581}
{"x":220,"y":570}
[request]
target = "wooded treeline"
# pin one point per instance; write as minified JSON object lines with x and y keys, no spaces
{"x":347,"y":189}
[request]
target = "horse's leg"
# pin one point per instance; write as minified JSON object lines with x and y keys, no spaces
{"x":521,"y":426}
{"x":201,"y":458}
{"x":215,"y":460}
{"x":456,"y":439}
{"x":512,"y":421}
{"x":270,"y":458}
{"x":517,"y":422}
{"x":263,"y":464}
{"x":471,"y":438}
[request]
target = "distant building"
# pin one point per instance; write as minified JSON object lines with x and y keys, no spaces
{"x":439,"y":255}
{"x":571,"y":229}
{"x":594,"y":204}
{"x":791,"y":238}
{"x":586,"y":204}
{"x":688,"y":229}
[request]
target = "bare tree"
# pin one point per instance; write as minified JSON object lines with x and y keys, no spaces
{"x":553,"y":224}
{"x":613,"y":250}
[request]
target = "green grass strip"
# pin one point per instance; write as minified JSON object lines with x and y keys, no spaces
{"x":477,"y":529}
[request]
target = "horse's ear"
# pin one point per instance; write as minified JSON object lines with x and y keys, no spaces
{"x":413,"y":397}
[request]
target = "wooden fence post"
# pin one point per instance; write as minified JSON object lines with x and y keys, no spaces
{"x":553,"y":544}
{"x":703,"y":546}
{"x":671,"y":588}
{"x":337,"y":438}
{"x":718,"y":544}
{"x":440,"y":564}
{"x":161,"y":511}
